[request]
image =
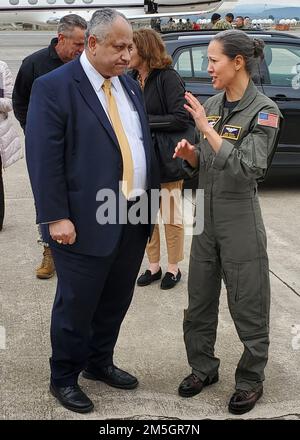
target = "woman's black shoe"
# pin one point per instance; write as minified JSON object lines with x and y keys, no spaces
{"x":170,"y":280}
{"x":147,"y":278}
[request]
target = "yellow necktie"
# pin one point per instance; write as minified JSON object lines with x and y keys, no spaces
{"x":127,"y":183}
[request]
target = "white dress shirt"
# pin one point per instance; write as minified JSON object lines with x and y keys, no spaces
{"x":130,"y":121}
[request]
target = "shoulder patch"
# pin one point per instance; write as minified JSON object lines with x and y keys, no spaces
{"x":213,"y":120}
{"x":268,"y":119}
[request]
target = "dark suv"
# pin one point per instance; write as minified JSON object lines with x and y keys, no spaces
{"x":277,"y":76}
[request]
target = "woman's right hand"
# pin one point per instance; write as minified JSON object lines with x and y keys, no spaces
{"x":186,"y":151}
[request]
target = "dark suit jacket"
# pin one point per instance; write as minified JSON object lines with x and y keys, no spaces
{"x":72,"y":152}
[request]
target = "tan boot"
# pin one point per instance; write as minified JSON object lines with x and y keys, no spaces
{"x":47,"y":268}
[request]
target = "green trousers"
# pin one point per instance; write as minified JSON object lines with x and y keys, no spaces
{"x":233,"y":247}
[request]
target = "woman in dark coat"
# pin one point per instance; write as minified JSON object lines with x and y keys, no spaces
{"x":164,"y":98}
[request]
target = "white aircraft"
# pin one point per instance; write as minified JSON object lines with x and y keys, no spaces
{"x":50,"y":11}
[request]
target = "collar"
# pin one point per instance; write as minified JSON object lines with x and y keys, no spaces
{"x":247,"y":98}
{"x":95,"y":78}
{"x":52,"y":51}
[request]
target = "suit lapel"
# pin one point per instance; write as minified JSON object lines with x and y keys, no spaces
{"x":88,"y":94}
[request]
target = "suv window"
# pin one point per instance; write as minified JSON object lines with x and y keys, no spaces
{"x":283,"y":63}
{"x":192,"y":63}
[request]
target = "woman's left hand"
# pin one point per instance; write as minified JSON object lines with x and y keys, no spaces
{"x":197,"y":111}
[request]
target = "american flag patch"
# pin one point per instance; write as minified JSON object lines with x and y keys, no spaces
{"x":268,"y":119}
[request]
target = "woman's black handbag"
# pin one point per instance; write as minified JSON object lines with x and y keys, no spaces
{"x":171,"y":169}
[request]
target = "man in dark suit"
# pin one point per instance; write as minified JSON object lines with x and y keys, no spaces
{"x":86,"y":131}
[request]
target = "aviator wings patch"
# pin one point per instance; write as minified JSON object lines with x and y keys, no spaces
{"x":231,"y":132}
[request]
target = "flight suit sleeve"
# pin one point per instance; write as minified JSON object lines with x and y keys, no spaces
{"x":250,"y":159}
{"x":191,"y":171}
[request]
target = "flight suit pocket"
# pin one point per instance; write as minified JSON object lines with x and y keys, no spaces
{"x":254,"y":151}
{"x":247,"y":291}
{"x":230,"y":276}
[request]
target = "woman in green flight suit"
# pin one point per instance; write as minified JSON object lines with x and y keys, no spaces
{"x":239,"y":131}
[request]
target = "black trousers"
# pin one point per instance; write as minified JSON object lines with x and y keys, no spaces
{"x":93,"y":295}
{"x":1,"y":197}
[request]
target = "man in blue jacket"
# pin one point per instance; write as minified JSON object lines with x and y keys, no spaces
{"x":86,"y":132}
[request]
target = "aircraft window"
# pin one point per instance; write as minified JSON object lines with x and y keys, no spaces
{"x":51,"y":2}
{"x":69,"y":1}
{"x":88,"y":1}
{"x":14,"y":2}
{"x":32,"y":2}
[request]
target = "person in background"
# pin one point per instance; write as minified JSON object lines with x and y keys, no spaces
{"x":229,"y":17}
{"x":10,"y":146}
{"x":171,"y":25}
{"x":239,"y":22}
{"x":181,"y":26}
{"x":222,"y":24}
{"x":188,"y":25}
{"x":239,"y":131}
{"x":65,"y":47}
{"x":151,"y":63}
{"x":247,"y":23}
{"x":155,"y":24}
{"x":213,"y":20}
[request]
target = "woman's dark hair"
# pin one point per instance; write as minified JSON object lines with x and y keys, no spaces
{"x":236,"y":42}
{"x":151,"y":48}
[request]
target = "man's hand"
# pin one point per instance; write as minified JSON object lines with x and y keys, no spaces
{"x":63,"y":230}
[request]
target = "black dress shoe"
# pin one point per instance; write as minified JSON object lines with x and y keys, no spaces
{"x":112,"y":376}
{"x":243,"y":401}
{"x":170,"y":280}
{"x":192,"y":385}
{"x":72,"y":398}
{"x":147,"y":278}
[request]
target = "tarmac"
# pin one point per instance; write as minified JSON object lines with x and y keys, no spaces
{"x":150,"y":344}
